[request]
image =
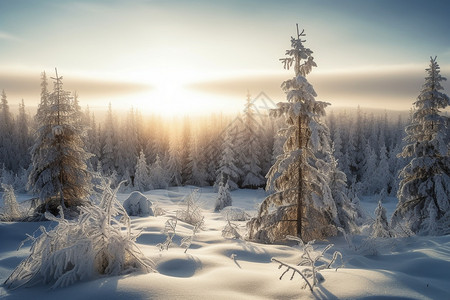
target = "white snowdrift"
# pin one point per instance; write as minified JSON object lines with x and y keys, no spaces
{"x":219,"y":268}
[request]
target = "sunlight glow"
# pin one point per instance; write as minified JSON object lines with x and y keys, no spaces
{"x":171,"y":97}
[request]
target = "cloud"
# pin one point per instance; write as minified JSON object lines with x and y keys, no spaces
{"x":26,"y":85}
{"x":394,"y":87}
{"x":6,"y":36}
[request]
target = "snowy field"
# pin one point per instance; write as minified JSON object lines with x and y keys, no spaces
{"x":217,"y":268}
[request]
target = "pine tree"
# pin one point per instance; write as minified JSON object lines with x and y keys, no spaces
{"x":368,"y":169}
{"x":382,"y":176}
{"x":303,"y":200}
{"x":7,"y":147}
{"x":196,"y":175}
{"x":158,"y":175}
{"x":251,"y":149}
{"x":380,"y":228}
{"x":228,"y":172}
{"x":59,"y":172}
{"x":23,"y":140}
{"x":173,"y":164}
{"x":347,"y":211}
{"x":224,"y":197}
{"x":109,"y":149}
{"x":141,"y":177}
{"x":424,"y":192}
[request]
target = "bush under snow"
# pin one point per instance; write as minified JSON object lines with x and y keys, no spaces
{"x":138,"y":205}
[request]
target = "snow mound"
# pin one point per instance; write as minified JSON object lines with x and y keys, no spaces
{"x":137,"y":204}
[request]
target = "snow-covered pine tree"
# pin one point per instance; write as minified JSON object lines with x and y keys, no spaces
{"x":251,"y":149}
{"x":223,"y":196}
{"x":303,"y":202}
{"x":196,"y":174}
{"x":158,"y":175}
{"x":127,"y":149}
{"x":23,"y":139}
{"x":7,"y":147}
{"x":382,"y":176}
{"x":369,"y":165}
{"x":228,"y":172}
{"x":59,"y":172}
{"x":10,"y":212}
{"x":174,"y":164}
{"x":424,"y":192}
{"x":380,"y":227}
{"x":141,"y":177}
{"x":347,"y":211}
{"x":109,"y":149}
{"x":184,"y":149}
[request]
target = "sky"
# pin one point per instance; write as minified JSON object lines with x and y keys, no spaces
{"x":196,"y":57}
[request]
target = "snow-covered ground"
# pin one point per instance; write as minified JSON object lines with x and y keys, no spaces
{"x":218,"y":268}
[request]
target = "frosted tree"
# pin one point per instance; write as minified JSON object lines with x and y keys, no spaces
{"x":59,"y":172}
{"x":369,"y":165}
{"x":223,"y":197}
{"x":251,"y":149}
{"x":382,"y":176}
{"x":11,"y":209}
{"x":174,"y":164}
{"x":127,"y":147}
{"x":7,"y":147}
{"x":380,"y":227}
{"x":424,"y":192}
{"x":109,"y":149}
{"x":184,"y":150}
{"x":141,"y":177}
{"x":23,"y":139}
{"x":302,"y":203}
{"x":228,"y":172}
{"x":158,"y":175}
{"x":196,"y":174}
{"x":347,"y":211}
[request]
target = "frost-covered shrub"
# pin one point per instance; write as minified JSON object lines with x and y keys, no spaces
{"x":186,"y":242}
{"x":99,"y":242}
{"x":170,"y":231}
{"x":311,"y":263}
{"x":224,"y":197}
{"x":235,"y":214}
{"x":231,"y":230}
{"x":191,"y":213}
{"x":138,"y":204}
{"x":11,"y":209}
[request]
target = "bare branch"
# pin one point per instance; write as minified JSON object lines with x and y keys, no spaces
{"x":294,"y":270}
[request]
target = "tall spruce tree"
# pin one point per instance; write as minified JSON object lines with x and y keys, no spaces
{"x":251,"y":148}
{"x":424,"y":192}
{"x":302,"y":197}
{"x":59,"y":173}
{"x":7,"y":146}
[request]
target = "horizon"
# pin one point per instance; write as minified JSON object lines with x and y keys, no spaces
{"x":178,"y":58}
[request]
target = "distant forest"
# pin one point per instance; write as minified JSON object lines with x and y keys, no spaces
{"x":154,"y":152}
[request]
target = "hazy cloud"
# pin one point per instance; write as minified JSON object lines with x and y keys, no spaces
{"x":27,"y":86}
{"x":6,"y":36}
{"x":391,"y":89}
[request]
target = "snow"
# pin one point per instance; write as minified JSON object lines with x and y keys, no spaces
{"x":415,"y":267}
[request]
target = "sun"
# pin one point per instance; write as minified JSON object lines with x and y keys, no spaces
{"x":169,"y":95}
